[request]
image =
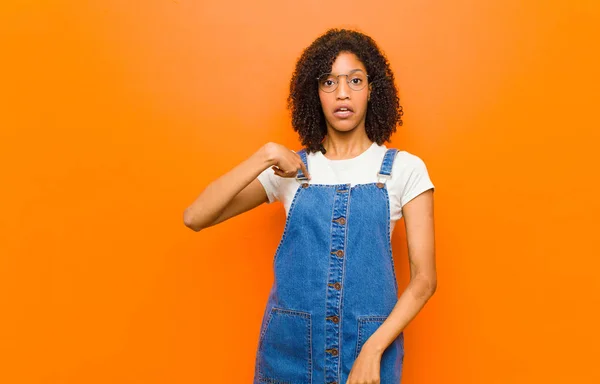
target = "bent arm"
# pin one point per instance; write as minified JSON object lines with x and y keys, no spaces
{"x":418,"y":217}
{"x":235,"y":192}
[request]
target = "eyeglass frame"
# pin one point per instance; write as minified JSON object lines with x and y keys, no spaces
{"x":347,"y":81}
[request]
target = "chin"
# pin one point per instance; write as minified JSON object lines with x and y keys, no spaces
{"x":344,"y":129}
{"x":345,"y":126}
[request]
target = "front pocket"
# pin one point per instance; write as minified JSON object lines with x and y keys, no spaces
{"x":393,"y":356}
{"x":285,"y":348}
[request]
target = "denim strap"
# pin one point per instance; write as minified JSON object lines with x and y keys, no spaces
{"x":386,"y":164}
{"x":300,"y":175}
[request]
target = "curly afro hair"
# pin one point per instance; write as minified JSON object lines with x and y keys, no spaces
{"x":384,"y":111}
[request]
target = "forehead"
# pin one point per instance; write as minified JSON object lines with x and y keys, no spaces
{"x":346,"y":62}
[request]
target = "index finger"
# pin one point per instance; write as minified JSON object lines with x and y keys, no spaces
{"x":303,"y":167}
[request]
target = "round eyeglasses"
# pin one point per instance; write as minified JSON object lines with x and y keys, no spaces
{"x":356,"y":80}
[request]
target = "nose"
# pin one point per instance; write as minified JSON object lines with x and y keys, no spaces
{"x":343,"y":89}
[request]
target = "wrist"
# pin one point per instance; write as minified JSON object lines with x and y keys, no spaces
{"x":372,"y":348}
{"x":267,"y":155}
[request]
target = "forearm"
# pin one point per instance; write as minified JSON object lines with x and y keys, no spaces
{"x":410,"y":303}
{"x":214,"y":198}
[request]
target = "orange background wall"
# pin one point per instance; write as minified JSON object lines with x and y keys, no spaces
{"x":115,"y":115}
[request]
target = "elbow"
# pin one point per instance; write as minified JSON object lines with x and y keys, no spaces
{"x":188,"y":221}
{"x":432,"y":286}
{"x":425,"y":287}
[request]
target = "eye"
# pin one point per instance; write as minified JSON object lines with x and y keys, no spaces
{"x":356,"y":80}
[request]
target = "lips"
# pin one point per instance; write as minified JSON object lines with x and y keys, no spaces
{"x":342,"y":107}
{"x":343,"y":111}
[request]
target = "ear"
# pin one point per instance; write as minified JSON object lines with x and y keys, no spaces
{"x":370,"y":89}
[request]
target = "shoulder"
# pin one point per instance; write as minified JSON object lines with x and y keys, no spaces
{"x":404,"y":161}
{"x":408,"y":170}
{"x":409,"y":177}
{"x":407,"y":161}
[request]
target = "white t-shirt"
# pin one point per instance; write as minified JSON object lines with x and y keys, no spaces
{"x":409,"y":177}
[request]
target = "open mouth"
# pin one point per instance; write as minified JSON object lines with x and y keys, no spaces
{"x":343,"y":112}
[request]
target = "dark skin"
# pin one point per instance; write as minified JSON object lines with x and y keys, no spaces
{"x":239,"y":191}
{"x":384,"y":110}
{"x":346,"y":138}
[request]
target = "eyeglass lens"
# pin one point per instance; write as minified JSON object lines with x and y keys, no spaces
{"x":357,"y":80}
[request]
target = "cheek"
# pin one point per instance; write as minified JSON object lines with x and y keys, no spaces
{"x":325,"y":102}
{"x":363,"y":102}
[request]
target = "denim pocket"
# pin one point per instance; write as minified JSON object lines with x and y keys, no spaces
{"x":284,"y":348}
{"x":393,"y":356}
{"x":367,"y":325}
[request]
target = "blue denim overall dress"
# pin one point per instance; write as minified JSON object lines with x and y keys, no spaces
{"x":334,"y":284}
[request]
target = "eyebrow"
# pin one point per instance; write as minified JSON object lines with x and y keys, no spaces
{"x":352,"y":70}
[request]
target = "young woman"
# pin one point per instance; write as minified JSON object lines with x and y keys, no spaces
{"x":333,"y":314}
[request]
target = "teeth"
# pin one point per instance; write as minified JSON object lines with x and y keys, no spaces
{"x":343,"y":109}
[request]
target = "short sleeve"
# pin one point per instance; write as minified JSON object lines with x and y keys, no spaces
{"x":270,"y":182}
{"x":409,"y":179}
{"x":414,"y":179}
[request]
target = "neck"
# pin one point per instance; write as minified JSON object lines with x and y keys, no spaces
{"x":345,"y":145}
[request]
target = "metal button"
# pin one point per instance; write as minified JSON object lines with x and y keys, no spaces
{"x":341,"y":220}
{"x":335,"y":319}
{"x":337,"y":286}
{"x":340,"y":253}
{"x":304,"y":185}
{"x":333,"y":351}
{"x":380,"y":185}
